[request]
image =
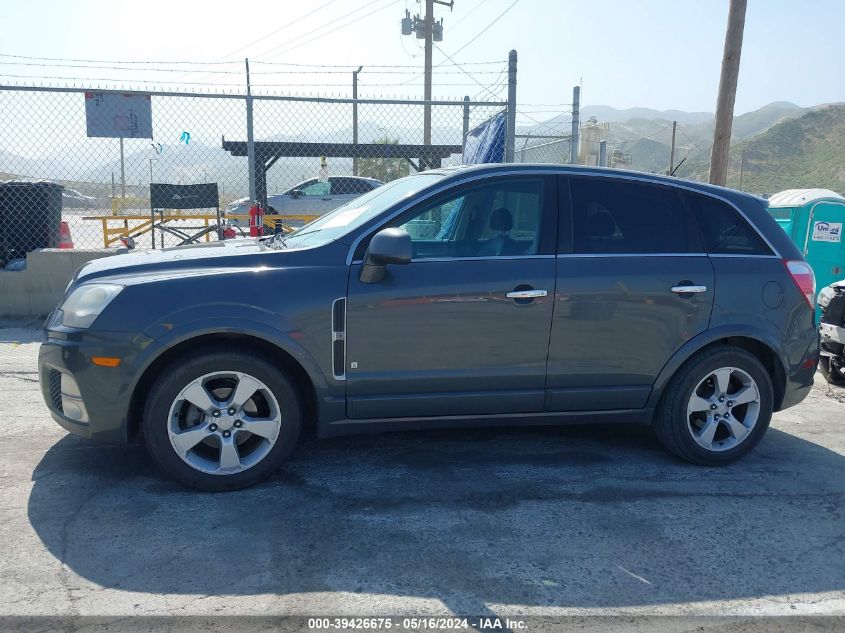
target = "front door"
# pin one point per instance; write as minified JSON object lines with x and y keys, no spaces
{"x":633,"y":285}
{"x":464,"y":328}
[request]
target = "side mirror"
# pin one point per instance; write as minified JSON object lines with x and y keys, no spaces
{"x":296,"y":194}
{"x":388,"y":246}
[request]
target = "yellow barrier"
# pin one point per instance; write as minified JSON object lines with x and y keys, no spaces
{"x":137,"y":224}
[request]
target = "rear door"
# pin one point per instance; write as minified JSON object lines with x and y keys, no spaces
{"x":633,"y":285}
{"x":345,"y":189}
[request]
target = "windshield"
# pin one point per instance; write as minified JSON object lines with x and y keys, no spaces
{"x":357,"y":212}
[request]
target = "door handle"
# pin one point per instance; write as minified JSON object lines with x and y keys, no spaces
{"x":526,"y":294}
{"x":682,"y":290}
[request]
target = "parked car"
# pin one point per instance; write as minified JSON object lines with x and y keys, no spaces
{"x":72,"y":199}
{"x":311,"y":197}
{"x":533,"y":295}
{"x":832,"y":328}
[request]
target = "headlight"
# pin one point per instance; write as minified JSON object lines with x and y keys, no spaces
{"x":86,"y":302}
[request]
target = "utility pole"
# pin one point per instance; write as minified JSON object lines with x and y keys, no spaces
{"x":250,"y":140}
{"x":602,"y":153}
{"x":727,"y":93}
{"x":576,"y":124}
{"x":122,"y":172}
{"x":429,"y":19}
{"x":741,"y":167}
{"x":672,"y":151}
{"x":355,"y":117}
{"x":510,"y":132}
{"x":430,"y":31}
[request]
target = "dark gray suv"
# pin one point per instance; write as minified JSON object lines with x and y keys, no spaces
{"x":509,"y":295}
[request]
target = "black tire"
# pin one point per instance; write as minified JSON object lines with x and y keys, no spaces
{"x":833,"y":375}
{"x":188,"y":368}
{"x":671,"y":422}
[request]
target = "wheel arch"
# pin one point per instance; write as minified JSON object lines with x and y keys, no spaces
{"x":259,"y":346}
{"x":759,"y":345}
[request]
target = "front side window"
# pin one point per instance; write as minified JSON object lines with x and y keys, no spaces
{"x":620,"y":217}
{"x":316,"y":188}
{"x":493,"y":220}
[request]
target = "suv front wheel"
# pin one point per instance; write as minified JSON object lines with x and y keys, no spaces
{"x":716,"y":408}
{"x":221,"y":420}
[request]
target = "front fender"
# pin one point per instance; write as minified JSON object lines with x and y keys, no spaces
{"x":256,"y":325}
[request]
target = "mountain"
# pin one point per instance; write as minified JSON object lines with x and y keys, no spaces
{"x":808,"y":151}
{"x":803,"y":152}
{"x":614,"y":115}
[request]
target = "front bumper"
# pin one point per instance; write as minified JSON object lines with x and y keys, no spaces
{"x":97,"y":398}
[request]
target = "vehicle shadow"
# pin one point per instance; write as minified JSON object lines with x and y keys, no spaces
{"x":572,"y":516}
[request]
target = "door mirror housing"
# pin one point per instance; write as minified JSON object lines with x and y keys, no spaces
{"x":388,"y":246}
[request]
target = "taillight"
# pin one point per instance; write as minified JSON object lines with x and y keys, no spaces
{"x":804,"y":278}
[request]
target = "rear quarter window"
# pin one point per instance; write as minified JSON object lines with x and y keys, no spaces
{"x":724,"y":231}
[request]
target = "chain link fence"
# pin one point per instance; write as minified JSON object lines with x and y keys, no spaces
{"x":203,"y":138}
{"x":555,"y":151}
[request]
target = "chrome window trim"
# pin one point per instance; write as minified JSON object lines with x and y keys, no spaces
{"x":593,"y":255}
{"x":741,"y":255}
{"x":470,"y":259}
{"x":551,"y":171}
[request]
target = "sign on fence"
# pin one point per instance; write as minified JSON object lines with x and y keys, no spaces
{"x":118,"y":115}
{"x":168,"y":196}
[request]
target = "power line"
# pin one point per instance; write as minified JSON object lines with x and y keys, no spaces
{"x":281,"y":28}
{"x":111,"y":61}
{"x":121,"y":68}
{"x":351,"y":66}
{"x":123,"y":80}
{"x":485,"y":29}
{"x":286,"y":48}
{"x":465,"y":72}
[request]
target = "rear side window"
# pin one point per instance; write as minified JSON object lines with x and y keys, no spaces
{"x":345,"y":186}
{"x":616,"y":217}
{"x":724,"y":231}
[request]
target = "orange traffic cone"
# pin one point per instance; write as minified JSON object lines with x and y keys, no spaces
{"x":65,"y":240}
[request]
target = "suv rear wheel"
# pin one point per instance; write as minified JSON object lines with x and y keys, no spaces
{"x":221,"y":420}
{"x":716,"y":408}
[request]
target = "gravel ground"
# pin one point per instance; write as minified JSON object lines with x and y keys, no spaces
{"x":554,"y":521}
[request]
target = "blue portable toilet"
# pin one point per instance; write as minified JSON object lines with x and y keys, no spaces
{"x":814,"y":218}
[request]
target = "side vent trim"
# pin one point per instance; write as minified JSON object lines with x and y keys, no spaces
{"x":339,"y":338}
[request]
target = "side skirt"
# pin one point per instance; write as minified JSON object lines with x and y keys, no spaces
{"x":378,"y":425}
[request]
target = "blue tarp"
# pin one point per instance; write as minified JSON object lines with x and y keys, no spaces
{"x":486,"y":143}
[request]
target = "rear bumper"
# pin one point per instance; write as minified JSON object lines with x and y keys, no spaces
{"x":94,"y":401}
{"x":801,"y":376}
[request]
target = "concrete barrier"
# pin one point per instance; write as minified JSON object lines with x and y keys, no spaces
{"x":34,"y":292}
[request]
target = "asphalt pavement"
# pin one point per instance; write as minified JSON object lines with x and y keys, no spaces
{"x":596,"y":520}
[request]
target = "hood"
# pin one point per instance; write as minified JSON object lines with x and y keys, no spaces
{"x":192,"y":256}
{"x":838,"y":284}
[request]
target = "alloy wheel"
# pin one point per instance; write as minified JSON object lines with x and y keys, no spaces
{"x":723,"y":409}
{"x":224,"y":422}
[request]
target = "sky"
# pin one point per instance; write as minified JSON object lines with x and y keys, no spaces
{"x":663,"y":54}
